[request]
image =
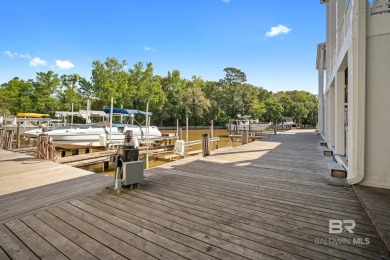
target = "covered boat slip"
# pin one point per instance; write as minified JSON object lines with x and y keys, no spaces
{"x":264,"y":200}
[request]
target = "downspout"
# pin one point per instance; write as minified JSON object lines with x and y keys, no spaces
{"x":360,"y":98}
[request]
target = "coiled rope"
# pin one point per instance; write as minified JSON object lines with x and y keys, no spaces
{"x":46,"y":149}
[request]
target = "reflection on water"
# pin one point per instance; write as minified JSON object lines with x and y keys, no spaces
{"x":192,"y":136}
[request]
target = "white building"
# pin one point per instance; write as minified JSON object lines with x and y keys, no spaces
{"x":354,"y":98}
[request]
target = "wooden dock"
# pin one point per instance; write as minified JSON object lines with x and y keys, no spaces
{"x":86,"y":159}
{"x":376,"y":201}
{"x":28,"y":184}
{"x":269,"y":199}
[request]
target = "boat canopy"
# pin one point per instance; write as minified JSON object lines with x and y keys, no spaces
{"x":122,"y":111}
{"x":32,"y":115}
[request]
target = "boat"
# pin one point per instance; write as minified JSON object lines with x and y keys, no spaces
{"x":245,"y":122}
{"x":27,"y":122}
{"x":99,"y":134}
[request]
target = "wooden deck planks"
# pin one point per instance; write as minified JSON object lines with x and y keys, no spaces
{"x":206,"y":244}
{"x":33,"y":241}
{"x":14,"y":248}
{"x":61,"y":243}
{"x":75,"y":235}
{"x":3,"y":255}
{"x":265,"y":200}
{"x":205,"y":225}
{"x":99,"y":235}
{"x":183,"y":245}
{"x":28,"y":184}
{"x":124,"y":230}
{"x":241,"y":217}
{"x":377,"y":203}
{"x":296,"y":214}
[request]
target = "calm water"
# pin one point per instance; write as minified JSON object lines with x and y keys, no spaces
{"x":192,"y":136}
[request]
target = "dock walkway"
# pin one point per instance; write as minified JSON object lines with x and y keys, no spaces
{"x":377,"y":204}
{"x":270,"y":199}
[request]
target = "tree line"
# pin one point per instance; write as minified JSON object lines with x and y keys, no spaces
{"x":170,"y":97}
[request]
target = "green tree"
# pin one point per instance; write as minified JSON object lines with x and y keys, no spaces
{"x":144,"y":87}
{"x":45,"y":89}
{"x":256,"y":109}
{"x":69,"y":93}
{"x":231,"y":84}
{"x":273,"y":111}
{"x":299,"y":112}
{"x":173,"y":86}
{"x":109,"y":80}
{"x":15,"y":97}
{"x":195,"y":103}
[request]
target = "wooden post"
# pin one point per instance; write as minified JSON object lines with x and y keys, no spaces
{"x":45,"y":148}
{"x":244,"y":137}
{"x":8,"y":140}
{"x":106,"y":165}
{"x":111,"y":111}
{"x":146,"y":161}
{"x":187,"y":129}
{"x":18,"y":135}
{"x":205,"y":145}
{"x":2,"y":133}
{"x":212,"y":129}
{"x":177,"y":127}
{"x":88,"y":150}
{"x":180,"y":133}
{"x":217,"y":144}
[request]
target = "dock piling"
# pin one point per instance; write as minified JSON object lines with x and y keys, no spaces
{"x":244,"y":137}
{"x":45,"y":148}
{"x":18,"y":135}
{"x":205,"y":145}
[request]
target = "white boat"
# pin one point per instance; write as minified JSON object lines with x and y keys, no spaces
{"x":246,"y":123}
{"x":27,"y":122}
{"x":98,"y":134}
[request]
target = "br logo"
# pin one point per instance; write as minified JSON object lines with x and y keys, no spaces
{"x":337,"y":226}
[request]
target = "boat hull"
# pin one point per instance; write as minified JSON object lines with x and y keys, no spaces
{"x":94,"y":136}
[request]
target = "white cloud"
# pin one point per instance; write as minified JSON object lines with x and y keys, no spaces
{"x":277,"y":30}
{"x":226,"y":1}
{"x":15,"y":54}
{"x":25,"y":56}
{"x":37,"y":62}
{"x":149,"y":49}
{"x":64,"y":64}
{"x":10,"y":54}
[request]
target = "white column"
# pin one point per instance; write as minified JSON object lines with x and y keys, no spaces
{"x":327,"y":108}
{"x":331,"y":111}
{"x":321,"y":91}
{"x":339,"y":113}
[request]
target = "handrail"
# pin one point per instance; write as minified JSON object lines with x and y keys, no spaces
{"x":195,"y":142}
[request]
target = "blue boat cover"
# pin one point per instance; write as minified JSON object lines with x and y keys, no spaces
{"x":122,"y":111}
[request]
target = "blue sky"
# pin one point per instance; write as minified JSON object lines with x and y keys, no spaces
{"x":197,"y":37}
